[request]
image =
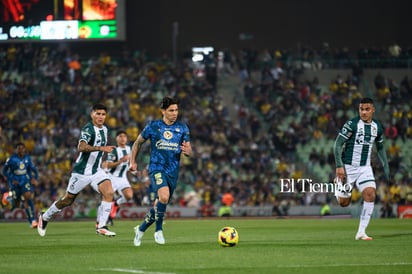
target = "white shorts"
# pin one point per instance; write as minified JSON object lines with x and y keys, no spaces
{"x":119,"y":183}
{"x":361,"y":175}
{"x":78,"y":181}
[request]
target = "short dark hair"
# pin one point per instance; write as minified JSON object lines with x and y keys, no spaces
{"x":20,"y":144}
{"x":366,"y":100}
{"x":121,"y":132}
{"x":99,"y":106}
{"x":167,"y":101}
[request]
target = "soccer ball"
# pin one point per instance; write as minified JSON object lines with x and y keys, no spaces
{"x":228,"y":236}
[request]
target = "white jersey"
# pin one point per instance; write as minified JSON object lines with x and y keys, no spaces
{"x":115,"y":155}
{"x":88,"y":163}
{"x":360,"y":137}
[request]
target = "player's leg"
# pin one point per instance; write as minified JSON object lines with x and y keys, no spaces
{"x":164,"y":193}
{"x":77,"y":183}
{"x":145,"y":224}
{"x":343,"y":189}
{"x":366,"y":185}
{"x":343,"y":192}
{"x":29,"y":208}
{"x":106,"y":190}
{"x":368,"y":195}
{"x":150,"y":215}
{"x":125,"y":191}
{"x":126,"y":195}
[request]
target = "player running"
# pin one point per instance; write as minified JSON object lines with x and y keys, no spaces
{"x":168,"y":138}
{"x":117,"y":165}
{"x":21,"y":175}
{"x":353,"y":161}
{"x":88,"y":171}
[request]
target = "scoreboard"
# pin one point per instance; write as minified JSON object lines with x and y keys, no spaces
{"x":53,"y":20}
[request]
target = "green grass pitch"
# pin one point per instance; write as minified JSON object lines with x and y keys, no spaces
{"x":265,"y":246}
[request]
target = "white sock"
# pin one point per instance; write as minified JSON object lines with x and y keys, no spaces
{"x":365,"y":216}
{"x":103,"y":213}
{"x":50,"y":212}
{"x":121,"y":200}
{"x":99,"y":213}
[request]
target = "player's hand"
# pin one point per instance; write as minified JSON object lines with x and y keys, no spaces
{"x":34,"y":182}
{"x":340,"y":173}
{"x":186,"y":148}
{"x":125,"y":158}
{"x":107,"y":149}
{"x":133,"y":168}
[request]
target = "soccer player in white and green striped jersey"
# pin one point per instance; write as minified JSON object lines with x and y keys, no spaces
{"x":352,"y":151}
{"x":117,"y":166}
{"x":87,"y":171}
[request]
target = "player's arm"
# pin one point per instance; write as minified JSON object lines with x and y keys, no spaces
{"x":8,"y":173}
{"x":85,"y":147}
{"x":6,"y":169}
{"x":113,"y":162}
{"x":382,"y":156}
{"x":135,"y":151}
{"x":34,"y":173}
{"x":337,"y":152}
{"x":186,"y":148}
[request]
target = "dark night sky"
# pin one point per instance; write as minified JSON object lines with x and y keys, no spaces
{"x":272,"y":23}
{"x":284,"y":24}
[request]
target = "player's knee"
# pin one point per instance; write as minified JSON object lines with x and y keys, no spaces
{"x":344,"y":202}
{"x":128,"y":194}
{"x":368,"y":194}
{"x":106,"y":190}
{"x":164,"y":199}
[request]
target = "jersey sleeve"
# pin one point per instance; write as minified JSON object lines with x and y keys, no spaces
{"x":6,"y":169}
{"x":86,"y":134}
{"x":186,"y":134}
{"x":147,"y":130}
{"x":347,"y":130}
{"x":380,"y":135}
{"x":32,"y":170}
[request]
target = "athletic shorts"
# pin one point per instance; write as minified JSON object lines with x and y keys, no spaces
{"x":361,"y":176}
{"x":119,"y":183}
{"x":160,"y":179}
{"x":78,"y":181}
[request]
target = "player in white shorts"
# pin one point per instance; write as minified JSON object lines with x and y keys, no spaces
{"x":117,"y":165}
{"x":352,"y":151}
{"x":87,"y":171}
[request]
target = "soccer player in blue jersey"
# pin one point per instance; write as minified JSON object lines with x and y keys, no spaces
{"x":169,"y":139}
{"x":88,"y":171}
{"x":21,"y":175}
{"x":352,"y":151}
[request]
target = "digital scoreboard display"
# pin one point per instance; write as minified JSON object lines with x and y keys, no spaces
{"x":52,"y":20}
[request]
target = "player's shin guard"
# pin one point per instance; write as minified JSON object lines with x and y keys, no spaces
{"x":148,"y":220}
{"x":50,"y":212}
{"x":160,"y":213}
{"x":30,"y":211}
{"x":104,"y":211}
{"x":365,"y":217}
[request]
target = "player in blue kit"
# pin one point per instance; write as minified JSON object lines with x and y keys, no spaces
{"x":21,"y":174}
{"x":169,"y":138}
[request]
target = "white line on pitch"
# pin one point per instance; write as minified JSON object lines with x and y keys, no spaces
{"x":138,"y":271}
{"x":340,"y":265}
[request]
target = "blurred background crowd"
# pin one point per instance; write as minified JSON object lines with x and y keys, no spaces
{"x":254,"y":117}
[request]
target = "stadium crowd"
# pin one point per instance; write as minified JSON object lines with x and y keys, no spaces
{"x":45,"y":92}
